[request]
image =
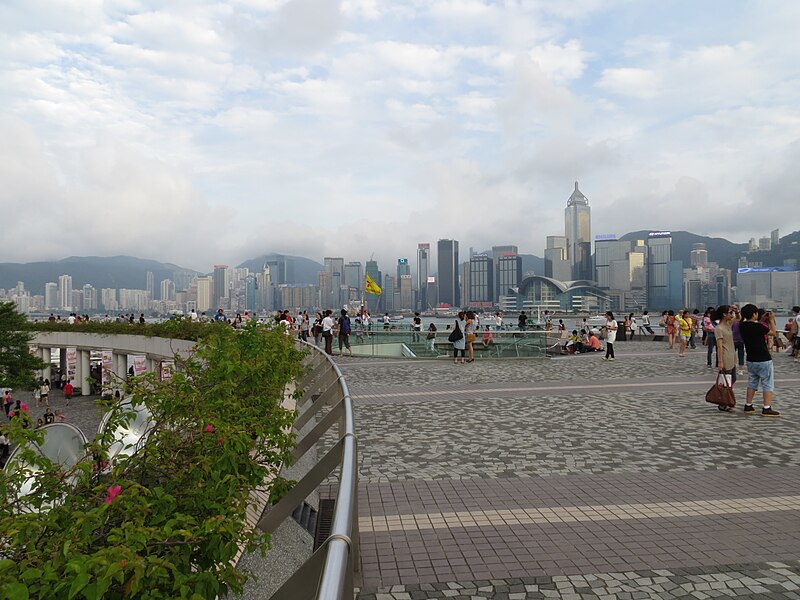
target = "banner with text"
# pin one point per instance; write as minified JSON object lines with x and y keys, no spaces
{"x":167,"y":367}
{"x":139,"y":364}
{"x":72,"y":366}
{"x":107,"y":366}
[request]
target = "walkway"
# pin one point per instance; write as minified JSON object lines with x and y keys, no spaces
{"x":573,"y":478}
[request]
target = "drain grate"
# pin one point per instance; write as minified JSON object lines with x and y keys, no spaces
{"x":324,"y":521}
{"x":306,"y":517}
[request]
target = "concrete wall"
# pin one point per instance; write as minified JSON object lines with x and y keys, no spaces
{"x":153,"y":347}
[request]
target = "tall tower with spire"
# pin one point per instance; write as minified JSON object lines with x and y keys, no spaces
{"x":578,"y":231}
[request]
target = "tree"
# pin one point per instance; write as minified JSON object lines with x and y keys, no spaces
{"x":17,"y":364}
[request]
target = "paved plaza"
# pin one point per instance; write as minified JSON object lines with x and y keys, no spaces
{"x":574,"y":478}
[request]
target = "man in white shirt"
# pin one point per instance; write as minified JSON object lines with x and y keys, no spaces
{"x":327,"y":331}
{"x":193,"y":315}
{"x":498,"y":320}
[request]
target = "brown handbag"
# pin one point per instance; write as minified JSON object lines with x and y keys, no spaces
{"x":721,"y":392}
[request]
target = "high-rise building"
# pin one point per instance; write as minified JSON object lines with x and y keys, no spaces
{"x":406,"y":288}
{"x":77,"y":300}
{"x":50,"y":295}
{"x":423,"y":270}
{"x":699,"y":255}
{"x":167,"y":290}
{"x":481,"y":280}
{"x":325,"y":291}
{"x":221,"y":285}
{"x":403,"y":268}
{"x":108,"y":298}
{"x":556,"y":258}
{"x":447,"y":261}
{"x":65,"y":292}
{"x":205,"y":287}
{"x":508,"y":272}
{"x":775,"y":238}
{"x":388,"y":294}
{"x":335,"y":268}
{"x":664,"y":275}
{"x":354,"y":278}
{"x":89,"y":300}
{"x":373,"y":300}
{"x":606,"y":252}
{"x":266,"y":289}
{"x":150,"y":285}
{"x":578,"y":231}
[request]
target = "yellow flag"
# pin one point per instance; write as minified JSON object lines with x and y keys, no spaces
{"x":372,"y":287}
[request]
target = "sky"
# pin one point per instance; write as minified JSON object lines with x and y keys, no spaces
{"x":203,"y":132}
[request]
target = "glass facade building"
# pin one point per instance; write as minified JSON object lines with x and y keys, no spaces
{"x":447,"y":261}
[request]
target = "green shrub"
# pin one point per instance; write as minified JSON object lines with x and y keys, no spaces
{"x":167,"y":521}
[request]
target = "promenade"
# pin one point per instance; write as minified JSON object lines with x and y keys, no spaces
{"x":573,"y":478}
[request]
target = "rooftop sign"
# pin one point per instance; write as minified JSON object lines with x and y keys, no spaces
{"x":660,"y":234}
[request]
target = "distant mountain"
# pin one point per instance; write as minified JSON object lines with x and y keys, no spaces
{"x":532,"y":263}
{"x":297,"y":269}
{"x":99,"y":271}
{"x":726,"y":254}
{"x":720,"y":250}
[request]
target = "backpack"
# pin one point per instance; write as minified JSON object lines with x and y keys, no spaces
{"x":346,"y":325}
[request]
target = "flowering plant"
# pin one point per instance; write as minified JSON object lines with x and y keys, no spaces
{"x":166,"y":521}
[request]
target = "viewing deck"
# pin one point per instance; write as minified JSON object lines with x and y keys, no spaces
{"x":573,"y":477}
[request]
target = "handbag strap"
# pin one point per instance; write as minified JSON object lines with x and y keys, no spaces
{"x":724,"y":380}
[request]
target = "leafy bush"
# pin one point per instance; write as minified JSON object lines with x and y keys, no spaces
{"x":167,"y":521}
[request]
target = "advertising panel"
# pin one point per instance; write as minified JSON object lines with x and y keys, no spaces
{"x":107,"y":366}
{"x":72,"y":366}
{"x":139,"y":364}
{"x":167,"y":367}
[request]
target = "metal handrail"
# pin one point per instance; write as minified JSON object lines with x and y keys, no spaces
{"x":329,"y":573}
{"x":337,"y":572}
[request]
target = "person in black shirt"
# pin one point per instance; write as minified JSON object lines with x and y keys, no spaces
{"x":759,"y":361}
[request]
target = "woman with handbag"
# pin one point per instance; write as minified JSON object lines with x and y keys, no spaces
{"x":726,"y":349}
{"x":458,"y":338}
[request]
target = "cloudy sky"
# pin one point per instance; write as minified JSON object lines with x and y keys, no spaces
{"x":202,"y":132}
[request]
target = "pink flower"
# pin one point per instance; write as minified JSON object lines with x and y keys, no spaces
{"x":122,"y":563}
{"x":24,"y":407}
{"x":209,"y":429}
{"x":221,"y":440}
{"x":113,"y":492}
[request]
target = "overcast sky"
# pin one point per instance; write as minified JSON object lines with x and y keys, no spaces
{"x":204,"y":132}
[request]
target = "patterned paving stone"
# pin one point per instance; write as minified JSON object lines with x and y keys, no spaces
{"x":573,"y":478}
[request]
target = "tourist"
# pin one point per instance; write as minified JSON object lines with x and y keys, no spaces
{"x":726,"y":349}
{"x":59,"y":418}
{"x":344,"y":332}
{"x":44,"y":392}
{"x":304,"y":326}
{"x":39,"y":423}
{"x":141,"y":319}
{"x":738,"y":342}
{"x":498,"y":320}
{"x":327,"y":331}
{"x":5,"y":448}
{"x":696,"y":321}
{"x":49,"y":417}
{"x":632,"y":325}
{"x":359,"y":330}
{"x":386,"y":322}
{"x":193,"y":316}
{"x":431,"y":337}
{"x":488,"y":338}
{"x":708,"y":335}
{"x":469,"y":333}
{"x":759,"y":360}
{"x":7,"y":402}
{"x":573,"y":343}
{"x":611,"y":335}
{"x":670,"y":329}
{"x":522,"y":321}
{"x":684,"y":323}
{"x":646,"y":323}
{"x":68,"y":390}
{"x":794,"y":333}
{"x":562,"y":328}
{"x":548,"y":321}
{"x":594,"y":343}
{"x":316,"y":329}
{"x":460,"y":345}
{"x":416,"y":328}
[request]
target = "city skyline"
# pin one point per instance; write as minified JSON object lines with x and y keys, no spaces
{"x":220,"y":130}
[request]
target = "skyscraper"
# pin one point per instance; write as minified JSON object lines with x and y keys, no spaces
{"x":335,"y":268}
{"x":481,"y":280}
{"x":373,"y":300}
{"x":150,"y":285}
{"x":65,"y":292}
{"x":447,"y":261}
{"x":167,"y":290}
{"x":220,"y":291}
{"x":578,"y":231}
{"x":204,"y":293}
{"x":508,"y":272}
{"x":89,"y":299}
{"x":50,"y":295}
{"x":664,"y":275}
{"x":403,"y":268}
{"x":423,"y":257}
{"x":556,"y":258}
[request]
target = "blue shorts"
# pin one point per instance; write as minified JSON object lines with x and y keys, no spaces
{"x":761,"y":372}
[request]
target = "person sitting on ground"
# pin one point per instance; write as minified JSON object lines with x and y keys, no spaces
{"x":594,"y":344}
{"x":49,"y":417}
{"x":488,"y":338}
{"x":58,"y":417}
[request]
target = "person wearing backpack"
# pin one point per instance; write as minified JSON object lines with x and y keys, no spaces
{"x":344,"y":333}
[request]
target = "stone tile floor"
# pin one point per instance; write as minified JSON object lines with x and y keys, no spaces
{"x":573,"y":478}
